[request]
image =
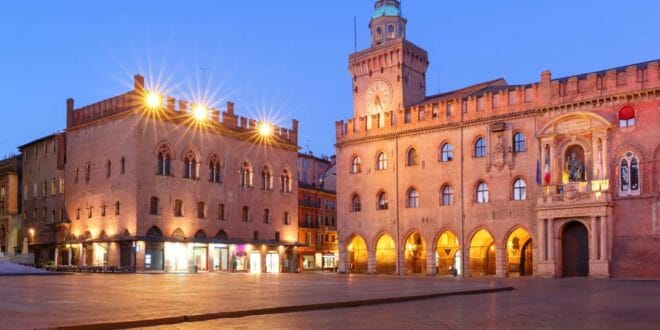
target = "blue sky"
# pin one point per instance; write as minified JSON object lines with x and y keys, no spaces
{"x":289,"y":57}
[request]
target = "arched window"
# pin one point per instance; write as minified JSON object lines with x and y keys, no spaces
{"x":381,"y":161}
{"x":285,"y":181}
{"x":391,"y":31}
{"x":382,"y":200}
{"x":355,"y":165}
{"x":178,"y":208}
{"x":153,"y":205}
{"x":519,"y":190}
{"x":629,"y":175}
{"x":164,"y":161}
{"x":482,"y":192}
{"x":519,"y":142}
{"x":355,"y":203}
{"x":447,"y":195}
{"x":201,"y":210}
{"x":214,"y":170}
{"x":266,"y":179}
{"x":411,"y":157}
{"x":245,"y":213}
{"x":246,"y":175}
{"x":190,"y":166}
{"x":379,"y":34}
{"x":480,"y":148}
{"x":446,"y":152}
{"x":412,"y":198}
{"x":627,"y":116}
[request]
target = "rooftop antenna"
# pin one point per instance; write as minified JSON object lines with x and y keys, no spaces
{"x":355,"y":33}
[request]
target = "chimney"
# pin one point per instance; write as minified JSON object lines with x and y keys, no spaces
{"x":138,"y":82}
{"x":69,"y":112}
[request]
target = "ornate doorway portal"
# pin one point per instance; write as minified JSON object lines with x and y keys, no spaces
{"x":575,"y":250}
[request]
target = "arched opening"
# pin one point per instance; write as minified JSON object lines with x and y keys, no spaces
{"x":482,"y":254}
{"x":519,"y":253}
{"x":221,"y":235}
{"x":200,"y":234}
{"x":415,"y":254}
{"x":448,"y":255}
{"x":575,"y":250}
{"x":154,"y":249}
{"x":357,"y":255}
{"x":385,"y":255}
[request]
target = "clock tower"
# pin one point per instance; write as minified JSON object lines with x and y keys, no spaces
{"x":391,"y":74}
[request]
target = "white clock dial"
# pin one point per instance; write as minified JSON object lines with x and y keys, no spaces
{"x":378,"y":97}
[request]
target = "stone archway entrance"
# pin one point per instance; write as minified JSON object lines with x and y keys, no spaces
{"x":448,"y":254}
{"x":415,"y":254}
{"x":575,"y":250}
{"x":482,"y":254}
{"x":358,"y":256}
{"x":519,"y":253}
{"x":385,"y":255}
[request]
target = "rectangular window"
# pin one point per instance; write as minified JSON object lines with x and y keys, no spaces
{"x":221,"y":212}
{"x":61,"y":189}
{"x":434,"y":111}
{"x":421,"y":113}
{"x":621,"y":78}
{"x":2,"y":193}
{"x":450,"y":109}
{"x":117,"y":208}
{"x":464,"y":106}
{"x":44,"y":189}
{"x":53,"y":187}
{"x":480,"y":103}
{"x":406,"y":116}
{"x":25,"y":192}
{"x":35,"y":190}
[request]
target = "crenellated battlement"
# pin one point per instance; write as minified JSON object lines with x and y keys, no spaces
{"x":497,"y":99}
{"x":171,"y":109}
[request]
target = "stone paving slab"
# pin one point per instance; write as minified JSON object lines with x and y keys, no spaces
{"x":571,"y":303}
{"x":46,"y":302}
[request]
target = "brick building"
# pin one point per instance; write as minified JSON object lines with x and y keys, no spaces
{"x":558,"y":177}
{"x":43,"y":194}
{"x":10,"y":205}
{"x":157,"y":184}
{"x":317,"y":214}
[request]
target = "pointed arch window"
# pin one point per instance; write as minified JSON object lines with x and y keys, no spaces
{"x":629,"y":175}
{"x":246,"y":175}
{"x":285,"y":182}
{"x":266,"y":179}
{"x":411,"y":157}
{"x":355,"y":165}
{"x":480,"y":148}
{"x":164,"y":161}
{"x":447,"y":195}
{"x":214,"y":170}
{"x":382,"y":201}
{"x":519,"y":190}
{"x":446,"y":152}
{"x":482,"y":193}
{"x":356,"y":206}
{"x":190,"y":166}
{"x":381,"y":161}
{"x":412,"y":198}
{"x":519,"y":144}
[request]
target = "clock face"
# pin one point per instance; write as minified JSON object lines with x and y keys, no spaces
{"x":378,"y":97}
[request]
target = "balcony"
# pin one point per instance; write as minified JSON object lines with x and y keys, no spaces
{"x":312,"y":204}
{"x":575,"y":194}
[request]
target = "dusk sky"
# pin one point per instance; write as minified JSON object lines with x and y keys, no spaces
{"x":289,"y":58}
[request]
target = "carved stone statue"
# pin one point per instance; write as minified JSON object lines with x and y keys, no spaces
{"x":575,"y":168}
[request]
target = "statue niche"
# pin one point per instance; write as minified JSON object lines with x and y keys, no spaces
{"x":574,"y":165}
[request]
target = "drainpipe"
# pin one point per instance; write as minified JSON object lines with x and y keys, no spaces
{"x":398,"y":239}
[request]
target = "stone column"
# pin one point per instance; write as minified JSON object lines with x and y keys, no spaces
{"x":605,"y":156}
{"x":500,"y":261}
{"x":542,"y":239}
{"x":430,"y":262}
{"x":371,"y":262}
{"x":69,"y":255}
{"x":593,"y":239}
{"x":401,"y":262}
{"x":57,"y":254}
{"x":343,"y":260}
{"x":603,"y":238}
{"x":551,"y":239}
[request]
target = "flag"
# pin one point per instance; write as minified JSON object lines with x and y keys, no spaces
{"x":538,"y":172}
{"x":546,"y":171}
